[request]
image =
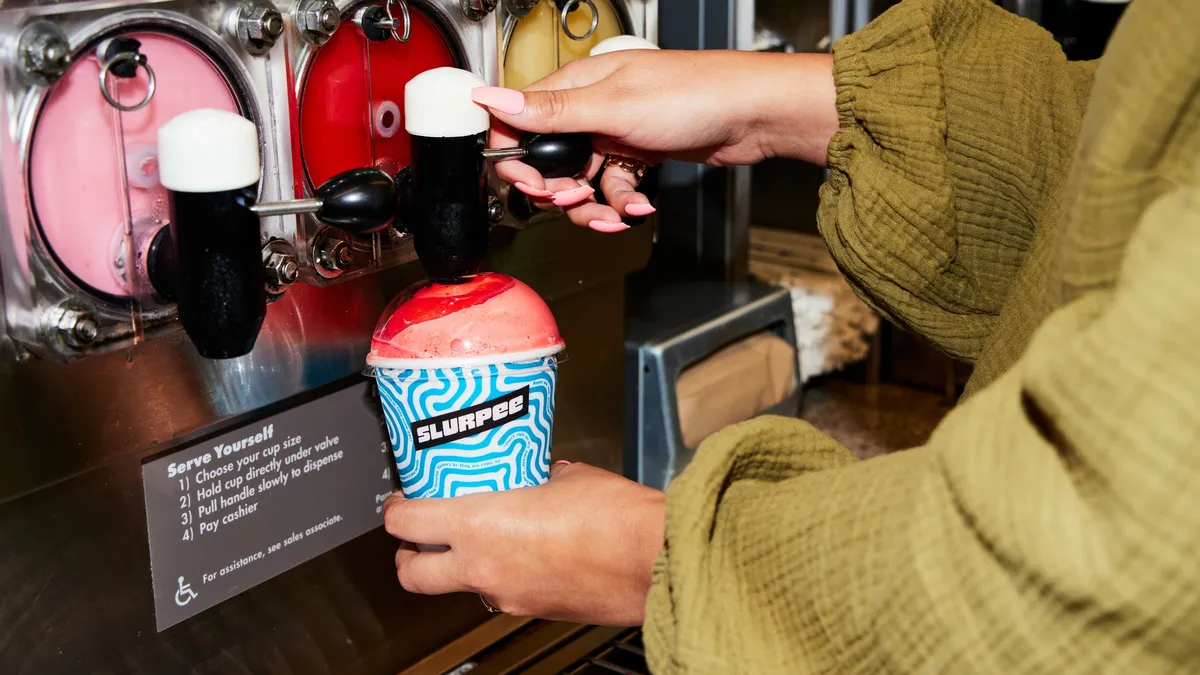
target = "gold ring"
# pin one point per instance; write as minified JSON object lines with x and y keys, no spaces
{"x":632,"y":166}
{"x":487,"y":605}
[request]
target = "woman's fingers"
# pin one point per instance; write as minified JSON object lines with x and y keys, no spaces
{"x":599,"y":217}
{"x":620,"y":190}
{"x":557,"y":467}
{"x":429,"y":573}
{"x":573,"y":196}
{"x":514,"y":172}
{"x":589,"y":109}
{"x":571,"y":98}
{"x":422,"y":521}
{"x":581,"y":72}
{"x":557,"y":185}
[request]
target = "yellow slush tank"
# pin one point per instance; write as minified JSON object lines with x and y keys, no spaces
{"x":538,"y":45}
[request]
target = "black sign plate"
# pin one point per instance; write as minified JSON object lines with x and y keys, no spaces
{"x":231,"y":512}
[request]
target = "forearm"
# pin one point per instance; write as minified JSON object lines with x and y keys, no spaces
{"x":794,"y":111}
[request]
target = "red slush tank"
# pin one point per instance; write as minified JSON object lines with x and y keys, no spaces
{"x":487,"y":318}
{"x":352,"y":98}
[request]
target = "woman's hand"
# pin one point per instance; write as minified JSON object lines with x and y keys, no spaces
{"x":717,"y":107}
{"x":579,"y":548}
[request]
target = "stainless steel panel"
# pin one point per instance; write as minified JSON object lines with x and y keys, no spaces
{"x":676,"y":325}
{"x":75,"y":564}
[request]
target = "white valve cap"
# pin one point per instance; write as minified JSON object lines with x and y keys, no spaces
{"x":208,"y":150}
{"x":437,"y":104}
{"x":621,"y":43}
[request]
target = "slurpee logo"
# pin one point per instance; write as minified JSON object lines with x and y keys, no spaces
{"x":435,"y":431}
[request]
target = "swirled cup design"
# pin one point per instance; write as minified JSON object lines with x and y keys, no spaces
{"x":473,"y":428}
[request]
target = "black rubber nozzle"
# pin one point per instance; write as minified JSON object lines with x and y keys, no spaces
{"x":444,"y":204}
{"x":220,"y":286}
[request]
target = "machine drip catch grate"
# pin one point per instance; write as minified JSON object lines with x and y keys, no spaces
{"x":624,"y":655}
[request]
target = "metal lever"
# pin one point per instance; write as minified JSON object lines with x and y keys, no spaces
{"x":566,"y":7}
{"x":120,"y":57}
{"x":361,"y":201}
{"x":377,"y":22}
{"x":553,"y":155}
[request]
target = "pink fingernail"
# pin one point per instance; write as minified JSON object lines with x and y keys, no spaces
{"x":573,"y":196}
{"x":607,"y":226}
{"x":532,"y":191}
{"x":505,"y":100}
{"x":562,"y":461}
{"x":639,"y":210}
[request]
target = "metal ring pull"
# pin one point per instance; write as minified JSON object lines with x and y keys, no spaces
{"x":391,"y":20}
{"x":567,"y":8}
{"x":137,"y":60}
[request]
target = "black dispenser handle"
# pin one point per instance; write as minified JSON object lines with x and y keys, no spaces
{"x":553,"y":155}
{"x":558,"y":155}
{"x":360,"y":201}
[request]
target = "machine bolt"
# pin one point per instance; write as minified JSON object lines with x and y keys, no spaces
{"x":330,"y":19}
{"x":44,"y":52}
{"x":520,"y":8}
{"x":495,"y":209}
{"x":289,"y":271}
{"x":256,"y":25}
{"x":283,"y":269}
{"x":334,"y":254}
{"x":86,"y":330}
{"x":76,"y":328}
{"x":476,"y":10}
{"x":263,"y":24}
{"x":280,"y":266}
{"x":317,"y":20}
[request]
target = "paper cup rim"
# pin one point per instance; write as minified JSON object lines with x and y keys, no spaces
{"x":465,"y":362}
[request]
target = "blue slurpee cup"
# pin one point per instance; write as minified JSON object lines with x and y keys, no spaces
{"x":466,"y":376}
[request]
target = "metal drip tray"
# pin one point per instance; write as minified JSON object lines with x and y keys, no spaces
{"x":507,"y":646}
{"x":624,"y":655}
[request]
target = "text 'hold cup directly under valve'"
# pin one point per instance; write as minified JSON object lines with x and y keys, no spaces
{"x":209,"y":163}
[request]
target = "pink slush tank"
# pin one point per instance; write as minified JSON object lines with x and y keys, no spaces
{"x":78,"y":187}
{"x":487,"y":317}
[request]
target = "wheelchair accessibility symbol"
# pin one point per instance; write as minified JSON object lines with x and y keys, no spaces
{"x":185,"y":594}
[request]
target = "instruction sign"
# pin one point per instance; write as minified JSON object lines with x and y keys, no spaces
{"x":229,"y":513}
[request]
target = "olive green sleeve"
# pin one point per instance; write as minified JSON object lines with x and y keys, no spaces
{"x":957,"y":126}
{"x":1050,"y":525}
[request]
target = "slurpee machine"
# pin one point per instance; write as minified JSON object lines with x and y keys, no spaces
{"x":194,"y":463}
